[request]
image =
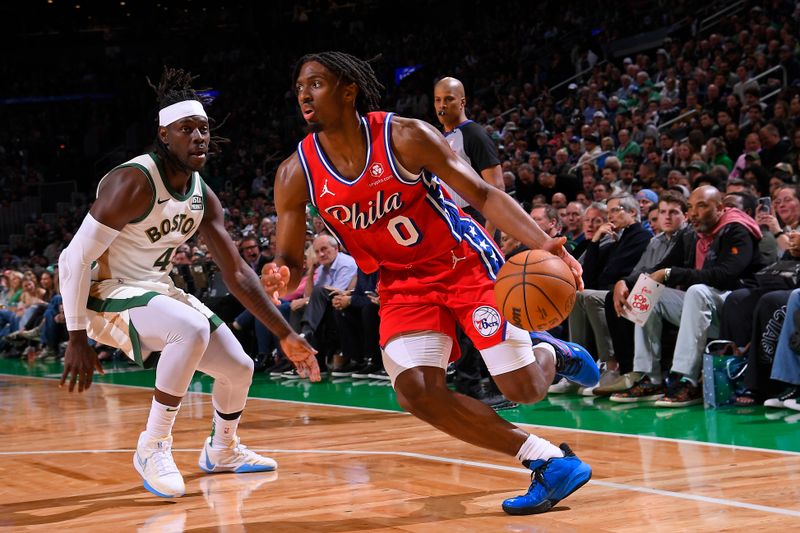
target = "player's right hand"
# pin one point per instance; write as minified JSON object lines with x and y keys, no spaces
{"x":556,"y":247}
{"x":80,"y":362}
{"x":274,"y":279}
{"x":302,"y":355}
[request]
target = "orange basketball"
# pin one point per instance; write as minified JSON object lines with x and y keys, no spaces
{"x":535,"y":290}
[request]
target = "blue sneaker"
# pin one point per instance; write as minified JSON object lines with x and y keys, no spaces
{"x":573,"y":361}
{"x":551,"y":481}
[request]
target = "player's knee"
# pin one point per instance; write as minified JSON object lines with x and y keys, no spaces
{"x":194,"y":330}
{"x":243,"y":369}
{"x":415,"y":394}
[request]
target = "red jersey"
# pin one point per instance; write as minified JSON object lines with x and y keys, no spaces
{"x":386,"y":217}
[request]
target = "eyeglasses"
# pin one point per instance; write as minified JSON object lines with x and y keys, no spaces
{"x":616,"y":209}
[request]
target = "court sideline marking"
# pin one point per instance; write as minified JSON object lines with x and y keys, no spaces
{"x":733,"y":447}
{"x":450,"y":460}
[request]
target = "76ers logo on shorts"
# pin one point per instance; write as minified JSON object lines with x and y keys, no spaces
{"x":486,"y":320}
{"x":376,"y":170}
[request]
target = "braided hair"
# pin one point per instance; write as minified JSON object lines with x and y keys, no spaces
{"x":352,"y":70}
{"x":175,"y":86}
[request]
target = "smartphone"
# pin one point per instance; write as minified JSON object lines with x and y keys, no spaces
{"x":371,"y":293}
{"x":765,"y":204}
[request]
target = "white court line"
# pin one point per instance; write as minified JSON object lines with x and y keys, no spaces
{"x":733,"y":447}
{"x":608,"y":484}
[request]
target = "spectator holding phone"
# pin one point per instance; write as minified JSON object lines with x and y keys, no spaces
{"x":780,"y":215}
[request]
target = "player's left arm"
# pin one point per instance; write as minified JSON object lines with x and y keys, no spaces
{"x":419,"y":145}
{"x":246,"y":287}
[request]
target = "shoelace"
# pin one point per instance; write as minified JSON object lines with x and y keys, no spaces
{"x":538,"y":474}
{"x":240,"y":450}
{"x":162,"y":458}
{"x":788,"y":395}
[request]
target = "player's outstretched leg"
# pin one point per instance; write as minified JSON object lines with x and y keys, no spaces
{"x":552,"y":480}
{"x":232,"y":370}
{"x":573,"y":361}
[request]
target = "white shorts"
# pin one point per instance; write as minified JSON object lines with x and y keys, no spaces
{"x":432,"y":348}
{"x":108,"y":310}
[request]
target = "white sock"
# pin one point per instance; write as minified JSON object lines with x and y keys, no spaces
{"x":548,"y":348}
{"x":161,"y":419}
{"x":222,"y":431}
{"x":537,"y":448}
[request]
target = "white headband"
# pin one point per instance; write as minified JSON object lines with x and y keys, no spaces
{"x":187,"y":108}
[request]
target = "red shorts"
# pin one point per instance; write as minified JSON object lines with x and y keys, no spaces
{"x":439,"y":294}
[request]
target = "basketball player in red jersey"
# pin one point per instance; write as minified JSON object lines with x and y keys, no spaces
{"x":375,"y":179}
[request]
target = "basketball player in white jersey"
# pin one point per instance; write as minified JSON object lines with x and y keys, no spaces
{"x":144,"y":210}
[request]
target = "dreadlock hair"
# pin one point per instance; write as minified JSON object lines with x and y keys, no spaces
{"x":176,"y":86}
{"x":352,"y":70}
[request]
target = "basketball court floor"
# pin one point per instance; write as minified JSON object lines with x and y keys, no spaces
{"x":350,"y":460}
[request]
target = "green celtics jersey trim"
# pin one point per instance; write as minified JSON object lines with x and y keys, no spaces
{"x":144,"y":248}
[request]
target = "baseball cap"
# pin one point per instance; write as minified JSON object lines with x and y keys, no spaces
{"x":510,"y":126}
{"x":599,"y":114}
{"x":784,"y":167}
{"x":574,"y":139}
{"x":647,"y":194}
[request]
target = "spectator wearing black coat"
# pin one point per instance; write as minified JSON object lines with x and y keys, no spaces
{"x":613,"y":252}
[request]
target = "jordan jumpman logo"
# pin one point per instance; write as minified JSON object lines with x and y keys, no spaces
{"x":456,"y":259}
{"x":325,"y":189}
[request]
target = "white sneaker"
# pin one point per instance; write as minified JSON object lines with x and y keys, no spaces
{"x":563,"y":386}
{"x":612,"y":382}
{"x":792,"y":404}
{"x":779,"y":401}
{"x":153,"y":460}
{"x":606,"y":377}
{"x":234,"y":458}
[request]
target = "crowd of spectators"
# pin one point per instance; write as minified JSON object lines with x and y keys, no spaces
{"x":649,"y":163}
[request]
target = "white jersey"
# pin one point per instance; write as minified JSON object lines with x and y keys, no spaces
{"x":143,"y":250}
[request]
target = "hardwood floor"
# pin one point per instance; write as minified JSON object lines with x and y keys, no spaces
{"x":65,"y":462}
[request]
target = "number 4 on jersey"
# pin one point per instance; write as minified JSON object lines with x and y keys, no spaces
{"x":163,"y":260}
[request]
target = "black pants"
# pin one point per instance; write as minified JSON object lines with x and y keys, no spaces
{"x":316,"y":321}
{"x":621,"y":330}
{"x":756,"y":316}
{"x":358,"y":329}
